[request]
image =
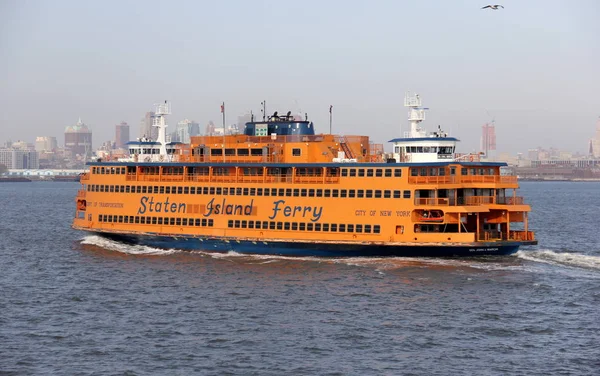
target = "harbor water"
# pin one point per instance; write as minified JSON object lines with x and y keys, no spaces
{"x":76,"y":304}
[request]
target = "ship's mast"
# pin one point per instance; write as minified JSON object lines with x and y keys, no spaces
{"x":416,"y":114}
{"x":159,"y":120}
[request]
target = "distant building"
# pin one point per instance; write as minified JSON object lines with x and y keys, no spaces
{"x":488,"y":138}
{"x":19,"y":158}
{"x":146,"y":128}
{"x":595,"y":142}
{"x":121,"y":135}
{"x":46,"y":144}
{"x":210,"y":129}
{"x":78,"y":140}
{"x":184,"y":130}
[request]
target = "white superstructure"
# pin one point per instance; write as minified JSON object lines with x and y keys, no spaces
{"x":147,"y":150}
{"x":417,"y":145}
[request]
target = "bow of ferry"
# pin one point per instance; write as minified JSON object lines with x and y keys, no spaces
{"x":280,"y":188}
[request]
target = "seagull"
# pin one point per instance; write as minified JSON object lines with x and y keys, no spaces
{"x":494,"y":7}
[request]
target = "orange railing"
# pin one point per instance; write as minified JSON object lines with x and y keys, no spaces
{"x":81,"y":193}
{"x":456,"y":179}
{"x":479,"y":200}
{"x":470,"y":200}
{"x":432,"y":201}
{"x":85,"y":176}
{"x":518,"y":200}
{"x":521,"y":235}
{"x":432,"y":179}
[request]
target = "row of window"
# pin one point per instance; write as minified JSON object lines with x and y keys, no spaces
{"x":441,"y":171}
{"x":252,"y":171}
{"x":231,"y":191}
{"x":167,"y":221}
{"x":302,"y":226}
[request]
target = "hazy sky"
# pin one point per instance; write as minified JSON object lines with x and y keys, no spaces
{"x":534,"y":65}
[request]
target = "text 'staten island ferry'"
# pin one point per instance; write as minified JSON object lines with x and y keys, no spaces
{"x":279,"y":188}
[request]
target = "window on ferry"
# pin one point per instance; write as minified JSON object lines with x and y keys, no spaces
{"x":360,"y":193}
{"x":361,"y":172}
{"x":368,"y":228}
{"x":397,"y":194}
{"x":388,"y":172}
{"x":317,"y":227}
{"x":243,"y":152}
{"x":343,"y":193}
{"x":344,"y":172}
{"x":334,"y":227}
{"x":423,"y":171}
{"x":376,"y":229}
{"x":296,"y":192}
{"x":350,"y":228}
{"x":481,"y":171}
{"x":318,"y":193}
{"x":491,"y":171}
{"x":419,"y":149}
{"x":353,"y":172}
{"x":406,"y":194}
{"x":296,"y":152}
{"x":279,"y":226}
{"x":369,"y":193}
{"x":433,"y":171}
{"x":327,"y":193}
{"x":309,"y":227}
{"x":311,"y":193}
{"x":229,"y":152}
{"x":294,"y":226}
{"x":351,"y":193}
{"x":179,"y":190}
{"x":369,"y":172}
{"x":342,"y":228}
{"x":463,"y":171}
{"x":378,"y":172}
{"x":244,"y":224}
{"x":335,"y":193}
{"x":216,"y":151}
{"x":246,"y":191}
{"x":252,"y":191}
{"x":359,"y":228}
{"x":414,"y":172}
{"x":397,"y":172}
{"x":442,"y":171}
{"x":112,"y":188}
{"x":387,"y":194}
{"x":303,"y":193}
{"x":256,"y":152}
{"x":162,"y":189}
{"x":426,"y":149}
{"x":472,"y":171}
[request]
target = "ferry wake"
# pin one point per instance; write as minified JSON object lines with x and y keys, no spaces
{"x":280,"y":188}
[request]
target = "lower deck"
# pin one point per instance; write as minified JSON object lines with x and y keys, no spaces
{"x":285,"y":247}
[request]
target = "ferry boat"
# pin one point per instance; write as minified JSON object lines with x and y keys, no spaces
{"x":282,"y":189}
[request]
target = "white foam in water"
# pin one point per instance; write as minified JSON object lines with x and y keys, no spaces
{"x":112,"y":245}
{"x":561,"y":258}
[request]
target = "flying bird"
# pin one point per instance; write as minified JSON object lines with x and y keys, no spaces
{"x":494,"y":7}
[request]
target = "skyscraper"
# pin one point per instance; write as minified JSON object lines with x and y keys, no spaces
{"x":186,"y":129}
{"x":121,"y":135}
{"x":488,"y":138}
{"x":78,"y":140}
{"x":595,"y":142}
{"x":146,"y":128}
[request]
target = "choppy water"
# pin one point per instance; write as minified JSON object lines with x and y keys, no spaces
{"x":72,"y":303}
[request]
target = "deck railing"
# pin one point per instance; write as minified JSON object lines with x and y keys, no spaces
{"x":457,"y":179}
{"x":521,"y":235}
{"x":470,"y":201}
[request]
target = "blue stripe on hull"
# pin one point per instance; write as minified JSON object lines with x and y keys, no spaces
{"x":312,"y":249}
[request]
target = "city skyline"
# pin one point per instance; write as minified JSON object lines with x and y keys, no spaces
{"x":534,"y":73}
